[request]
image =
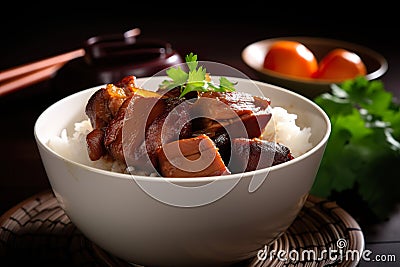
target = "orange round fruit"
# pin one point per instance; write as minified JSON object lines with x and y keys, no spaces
{"x":291,"y":58}
{"x":340,"y":64}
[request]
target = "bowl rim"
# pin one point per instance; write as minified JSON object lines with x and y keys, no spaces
{"x":41,"y":118}
{"x":355,"y":46}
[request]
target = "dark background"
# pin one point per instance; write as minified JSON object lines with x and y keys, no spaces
{"x":29,"y":34}
{"x":218,"y":34}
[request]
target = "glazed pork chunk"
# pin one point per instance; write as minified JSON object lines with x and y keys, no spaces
{"x":101,"y":108}
{"x":191,"y":157}
{"x":238,"y":113}
{"x":254,"y":154}
{"x":104,"y":104}
{"x":217,"y":118}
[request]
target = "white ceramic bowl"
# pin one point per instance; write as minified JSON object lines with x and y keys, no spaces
{"x":253,"y":56}
{"x":206,"y":228}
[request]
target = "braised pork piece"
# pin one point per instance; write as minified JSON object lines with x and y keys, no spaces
{"x":200,"y":134}
{"x":101,"y":108}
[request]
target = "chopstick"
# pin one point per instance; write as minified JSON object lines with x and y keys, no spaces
{"x":28,"y":74}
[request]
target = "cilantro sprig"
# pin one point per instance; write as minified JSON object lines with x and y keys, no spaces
{"x":196,"y":79}
{"x":363,"y":151}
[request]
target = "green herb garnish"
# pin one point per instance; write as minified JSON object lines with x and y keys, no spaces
{"x":363,"y":152}
{"x":196,"y":79}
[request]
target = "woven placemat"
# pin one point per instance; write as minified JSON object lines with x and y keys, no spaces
{"x":37,"y":231}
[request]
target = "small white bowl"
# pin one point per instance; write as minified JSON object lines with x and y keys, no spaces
{"x":253,"y":56}
{"x":206,"y":228}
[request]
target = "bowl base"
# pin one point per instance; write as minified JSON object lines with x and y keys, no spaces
{"x":39,"y":229}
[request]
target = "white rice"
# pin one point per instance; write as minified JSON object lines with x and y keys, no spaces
{"x":282,"y":129}
{"x":73,"y":147}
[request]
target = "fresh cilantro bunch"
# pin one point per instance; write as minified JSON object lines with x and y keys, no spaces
{"x":363,"y":153}
{"x":196,"y":79}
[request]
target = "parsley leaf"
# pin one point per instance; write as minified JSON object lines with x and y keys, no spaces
{"x":363,"y":150}
{"x":191,"y":61}
{"x":178,"y":76}
{"x":196,"y":79}
{"x":226,"y":85}
{"x":197,"y":75}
